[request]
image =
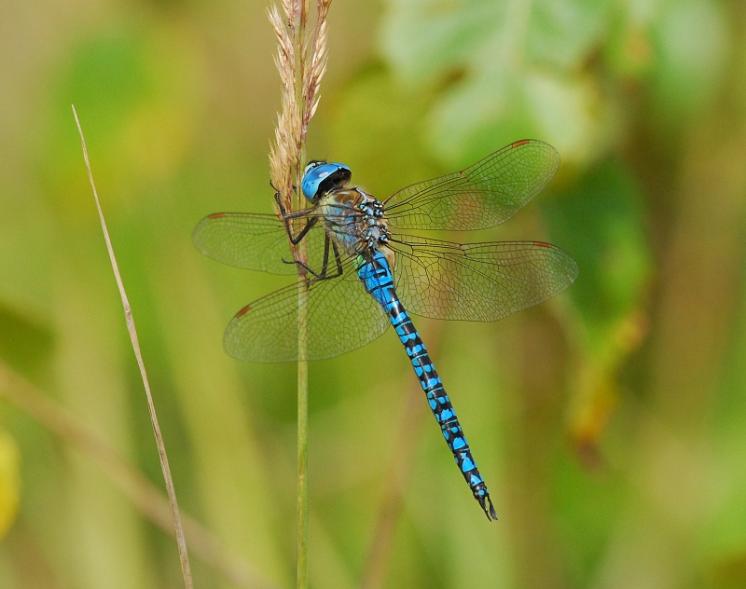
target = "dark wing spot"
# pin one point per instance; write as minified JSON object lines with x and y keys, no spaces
{"x":243,"y":311}
{"x":216,"y":216}
{"x":519,"y":143}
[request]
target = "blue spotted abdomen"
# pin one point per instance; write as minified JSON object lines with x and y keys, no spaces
{"x":379,"y":282}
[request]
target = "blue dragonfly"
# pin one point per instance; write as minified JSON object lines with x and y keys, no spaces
{"x":357,"y":244}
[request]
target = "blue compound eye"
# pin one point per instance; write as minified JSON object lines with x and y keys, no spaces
{"x":312,"y":164}
{"x":320,"y":177}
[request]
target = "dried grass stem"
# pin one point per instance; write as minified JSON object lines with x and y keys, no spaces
{"x":301,"y":62}
{"x":132,"y":330}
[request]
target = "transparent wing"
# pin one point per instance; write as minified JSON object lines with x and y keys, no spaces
{"x":478,"y":281}
{"x":482,"y":195}
{"x":256,"y":241}
{"x":341,"y":317}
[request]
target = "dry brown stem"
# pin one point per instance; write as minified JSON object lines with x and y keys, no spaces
{"x":301,"y":62}
{"x":132,"y":330}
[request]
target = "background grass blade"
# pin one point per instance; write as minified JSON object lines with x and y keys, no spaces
{"x":131,"y":329}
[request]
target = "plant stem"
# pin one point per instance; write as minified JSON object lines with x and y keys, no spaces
{"x":301,"y":61}
{"x":134,"y":340}
{"x":302,"y":396}
{"x":302,"y":484}
{"x":302,"y":448}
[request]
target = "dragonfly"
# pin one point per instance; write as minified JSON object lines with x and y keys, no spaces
{"x":369,"y":263}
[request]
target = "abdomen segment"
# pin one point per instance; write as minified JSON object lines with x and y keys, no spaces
{"x":377,"y":278}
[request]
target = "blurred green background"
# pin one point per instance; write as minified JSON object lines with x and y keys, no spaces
{"x":610,"y":423}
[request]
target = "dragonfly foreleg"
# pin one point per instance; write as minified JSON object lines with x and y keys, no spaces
{"x":288,"y":217}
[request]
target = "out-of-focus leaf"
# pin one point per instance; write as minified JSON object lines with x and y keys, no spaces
{"x":10,"y":481}
{"x":564,"y":33}
{"x":389,"y":154}
{"x":600,"y":223}
{"x":477,"y":116}
{"x":629,"y":51}
{"x":130,"y":87}
{"x":587,"y":513}
{"x":422,"y":39}
{"x":521,"y":71}
{"x":24,"y":342}
{"x":687,"y":73}
{"x":724,"y":538}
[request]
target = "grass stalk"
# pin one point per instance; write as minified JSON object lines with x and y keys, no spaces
{"x":301,"y":543}
{"x":302,"y":483}
{"x":301,"y":62}
{"x":134,"y":340}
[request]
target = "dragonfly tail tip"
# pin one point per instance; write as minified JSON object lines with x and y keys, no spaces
{"x":489,"y":509}
{"x":492,"y":513}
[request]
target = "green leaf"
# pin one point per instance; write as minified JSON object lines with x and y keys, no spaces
{"x":600,"y":223}
{"x":487,"y":111}
{"x":564,"y":33}
{"x":422,"y":39}
{"x":519,"y":71}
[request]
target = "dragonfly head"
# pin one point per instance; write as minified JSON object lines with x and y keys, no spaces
{"x":320,"y":177}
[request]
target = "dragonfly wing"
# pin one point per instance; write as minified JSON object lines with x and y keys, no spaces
{"x":482,"y":195}
{"x":478,"y":281}
{"x":256,"y":241}
{"x":341,"y":317}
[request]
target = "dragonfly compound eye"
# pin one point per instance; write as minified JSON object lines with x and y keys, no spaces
{"x":322,"y":177}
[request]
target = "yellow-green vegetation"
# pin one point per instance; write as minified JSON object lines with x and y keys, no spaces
{"x":9,"y":481}
{"x":610,"y":423}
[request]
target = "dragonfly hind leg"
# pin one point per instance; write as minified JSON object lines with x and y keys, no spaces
{"x":324,"y":273}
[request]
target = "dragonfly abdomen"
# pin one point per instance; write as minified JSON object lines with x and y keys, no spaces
{"x":378,"y":280}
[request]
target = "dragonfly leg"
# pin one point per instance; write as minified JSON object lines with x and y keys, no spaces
{"x":287,"y":217}
{"x":321,"y":275}
{"x":324,"y":273}
{"x":324,"y":264}
{"x":306,"y":267}
{"x":337,"y":260}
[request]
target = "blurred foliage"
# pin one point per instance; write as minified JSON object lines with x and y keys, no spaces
{"x":9,"y":481}
{"x":639,"y":366}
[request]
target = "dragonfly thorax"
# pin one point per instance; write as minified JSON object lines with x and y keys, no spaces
{"x":355,"y":220}
{"x":374,"y":229}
